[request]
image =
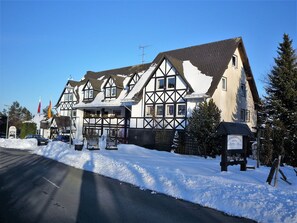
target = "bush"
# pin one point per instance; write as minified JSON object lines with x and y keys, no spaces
{"x":27,"y":128}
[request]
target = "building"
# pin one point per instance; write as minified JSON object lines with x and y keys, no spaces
{"x":145,"y":104}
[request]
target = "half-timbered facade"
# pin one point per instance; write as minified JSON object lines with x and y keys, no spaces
{"x":143,"y":103}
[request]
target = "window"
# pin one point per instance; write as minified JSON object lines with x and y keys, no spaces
{"x":110,"y":89}
{"x":171,"y":82}
{"x":110,"y":92}
{"x":243,"y":90}
{"x":160,"y":83}
{"x":181,"y":110}
{"x":113,"y":91}
{"x":159,"y":110}
{"x":224,"y":83}
{"x":169,"y":110}
{"x":234,"y":61}
{"x":149,"y":110}
{"x":88,"y":94}
{"x":245,"y":115}
{"x":107,"y":92}
{"x":68,"y":96}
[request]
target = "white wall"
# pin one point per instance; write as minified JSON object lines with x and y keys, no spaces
{"x":230,"y":102}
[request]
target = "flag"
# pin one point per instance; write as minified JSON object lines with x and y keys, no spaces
{"x":39,"y":106}
{"x":49,"y":110}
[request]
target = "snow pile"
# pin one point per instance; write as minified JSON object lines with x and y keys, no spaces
{"x":190,"y":178}
{"x":18,"y":143}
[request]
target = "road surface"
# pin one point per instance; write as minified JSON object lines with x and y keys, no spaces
{"x":37,"y":189}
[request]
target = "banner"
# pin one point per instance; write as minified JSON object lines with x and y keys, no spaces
{"x":49,"y":110}
{"x":39,"y":106}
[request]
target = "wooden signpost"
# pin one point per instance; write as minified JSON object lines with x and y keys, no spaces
{"x":235,"y":138}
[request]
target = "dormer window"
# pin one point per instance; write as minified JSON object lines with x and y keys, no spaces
{"x":88,"y":92}
{"x":110,"y":89}
{"x":133,"y":81}
{"x":68,"y":94}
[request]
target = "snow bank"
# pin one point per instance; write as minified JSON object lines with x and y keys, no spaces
{"x":190,"y":178}
{"x":18,"y":143}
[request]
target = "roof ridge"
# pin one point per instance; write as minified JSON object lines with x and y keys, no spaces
{"x":239,"y":38}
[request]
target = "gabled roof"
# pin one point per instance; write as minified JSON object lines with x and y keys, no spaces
{"x":96,"y":84}
{"x":118,"y":80}
{"x":211,"y":59}
{"x":72,"y":84}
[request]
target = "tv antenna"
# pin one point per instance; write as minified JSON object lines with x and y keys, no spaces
{"x":142,"y":47}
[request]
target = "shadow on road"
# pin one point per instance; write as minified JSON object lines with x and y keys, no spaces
{"x":21,"y":184}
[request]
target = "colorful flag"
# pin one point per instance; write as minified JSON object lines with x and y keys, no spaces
{"x":39,"y":106}
{"x":49,"y":110}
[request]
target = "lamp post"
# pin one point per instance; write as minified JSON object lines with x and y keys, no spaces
{"x":7,"y":122}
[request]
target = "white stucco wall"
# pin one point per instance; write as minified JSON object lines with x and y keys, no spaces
{"x":231,"y":101}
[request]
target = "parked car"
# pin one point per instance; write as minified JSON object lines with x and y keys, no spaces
{"x":40,"y":139}
{"x":62,"y":138}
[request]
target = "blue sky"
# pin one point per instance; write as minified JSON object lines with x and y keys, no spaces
{"x":43,"y":43}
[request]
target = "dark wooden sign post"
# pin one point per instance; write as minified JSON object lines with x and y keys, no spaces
{"x":234,"y":138}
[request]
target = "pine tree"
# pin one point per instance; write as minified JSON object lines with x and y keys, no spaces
{"x":281,"y":102}
{"x":17,"y":114}
{"x":202,"y":126}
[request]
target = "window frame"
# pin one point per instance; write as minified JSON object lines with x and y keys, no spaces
{"x":168,"y":110}
{"x":174,"y":83}
{"x":243,"y":89}
{"x":245,"y":115}
{"x":224,"y":82}
{"x":151,"y":113}
{"x":234,"y":61}
{"x":113,"y":91}
{"x":177,"y":110}
{"x":158,"y":83}
{"x":156,"y":110}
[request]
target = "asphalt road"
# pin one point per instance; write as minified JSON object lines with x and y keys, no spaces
{"x":36,"y":189}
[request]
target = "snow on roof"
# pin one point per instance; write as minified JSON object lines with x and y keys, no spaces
{"x":199,"y":81}
{"x":100,"y":100}
{"x":140,"y":84}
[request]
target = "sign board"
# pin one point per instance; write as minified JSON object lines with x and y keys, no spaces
{"x":234,"y":142}
{"x":12,"y":132}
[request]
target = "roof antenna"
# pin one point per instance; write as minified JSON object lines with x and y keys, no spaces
{"x":142,"y":52}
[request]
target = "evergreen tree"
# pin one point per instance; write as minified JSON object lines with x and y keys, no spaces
{"x":175,"y":142}
{"x":17,"y":114}
{"x":202,"y":126}
{"x":281,"y":103}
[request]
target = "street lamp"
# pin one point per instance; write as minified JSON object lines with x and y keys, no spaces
{"x":7,"y":118}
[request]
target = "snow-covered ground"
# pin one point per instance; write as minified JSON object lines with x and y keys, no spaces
{"x":191,"y":178}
